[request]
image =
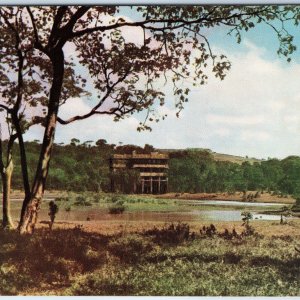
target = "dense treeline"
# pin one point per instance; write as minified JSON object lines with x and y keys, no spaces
{"x":83,"y":166}
{"x":197,"y":171}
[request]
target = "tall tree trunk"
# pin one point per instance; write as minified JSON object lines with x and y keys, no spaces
{"x":24,"y":166}
{"x":29,"y":217}
{"x":6,"y":174}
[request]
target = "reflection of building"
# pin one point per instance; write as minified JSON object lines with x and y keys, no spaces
{"x":139,"y":173}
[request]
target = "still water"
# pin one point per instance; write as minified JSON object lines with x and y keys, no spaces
{"x":194,"y":214}
{"x":229,"y":203}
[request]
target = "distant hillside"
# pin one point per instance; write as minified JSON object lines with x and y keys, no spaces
{"x":234,"y":158}
{"x":218,"y":156}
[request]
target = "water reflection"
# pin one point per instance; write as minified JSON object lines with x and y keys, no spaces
{"x":229,"y":203}
{"x":195,"y":215}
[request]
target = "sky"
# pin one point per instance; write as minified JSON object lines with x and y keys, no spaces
{"x":254,"y":112}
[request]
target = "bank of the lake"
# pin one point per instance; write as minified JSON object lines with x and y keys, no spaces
{"x":236,"y":196}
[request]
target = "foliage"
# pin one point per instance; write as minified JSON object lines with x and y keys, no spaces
{"x":116,"y":198}
{"x":212,"y":232}
{"x":130,"y":248}
{"x":189,"y":171}
{"x":205,"y":267}
{"x":117,"y":208}
{"x":209,"y":231}
{"x":247,"y":216}
{"x":82,"y":201}
{"x":170,"y":234}
{"x":196,"y":171}
{"x":89,"y":264}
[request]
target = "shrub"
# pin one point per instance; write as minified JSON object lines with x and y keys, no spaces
{"x":249,"y":230}
{"x":82,"y":201}
{"x":172,"y":234}
{"x":68,"y":208}
{"x":116,"y":198}
{"x":227,"y":235}
{"x":209,"y":230}
{"x":61,"y":199}
{"x":117,"y":208}
{"x":96,"y":199}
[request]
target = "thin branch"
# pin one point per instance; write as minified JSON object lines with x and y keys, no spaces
{"x":10,"y":144}
{"x":94,"y":110}
{"x":144,"y":24}
{"x":36,"y":36}
{"x":5,"y":107}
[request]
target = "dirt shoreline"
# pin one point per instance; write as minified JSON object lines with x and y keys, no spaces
{"x":263,"y":198}
{"x":17,"y":195}
{"x":266,"y":228}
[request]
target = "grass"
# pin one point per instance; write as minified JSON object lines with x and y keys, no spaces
{"x":148,"y":258}
{"x":70,"y":201}
{"x":173,"y":260}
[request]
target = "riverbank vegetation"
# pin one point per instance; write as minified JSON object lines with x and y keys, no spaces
{"x":173,"y":259}
{"x":85,"y":166}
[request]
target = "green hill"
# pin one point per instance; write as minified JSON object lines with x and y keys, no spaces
{"x":217,"y":156}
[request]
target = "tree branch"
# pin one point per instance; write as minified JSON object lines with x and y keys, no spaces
{"x":35,"y":32}
{"x":99,"y":104}
{"x":5,"y":107}
{"x":144,"y":24}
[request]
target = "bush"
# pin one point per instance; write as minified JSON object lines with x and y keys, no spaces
{"x":117,"y":208}
{"x":227,"y":235}
{"x":61,"y":199}
{"x":82,"y":201}
{"x":209,"y":230}
{"x":116,"y":198}
{"x":249,"y":230}
{"x":96,"y":198}
{"x":68,"y":208}
{"x":172,"y":234}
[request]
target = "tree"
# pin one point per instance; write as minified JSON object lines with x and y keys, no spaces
{"x":22,"y":86}
{"x":14,"y":90}
{"x":101,"y":143}
{"x":196,"y":167}
{"x":6,"y":170}
{"x":124,"y":73}
{"x":75,"y":142}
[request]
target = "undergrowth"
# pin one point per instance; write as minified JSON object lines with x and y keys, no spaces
{"x":172,"y":260}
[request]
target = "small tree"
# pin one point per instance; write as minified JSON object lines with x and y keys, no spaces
{"x":75,"y":142}
{"x":247,"y":216}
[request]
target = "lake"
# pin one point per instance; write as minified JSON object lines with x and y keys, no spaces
{"x":194,"y":214}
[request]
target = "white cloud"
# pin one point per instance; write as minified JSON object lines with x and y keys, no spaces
{"x":231,"y":120}
{"x":222,"y":132}
{"x":93,"y":128}
{"x":255,"y":111}
{"x":256,"y":135}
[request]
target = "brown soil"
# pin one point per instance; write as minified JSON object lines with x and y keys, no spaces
{"x":264,"y":198}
